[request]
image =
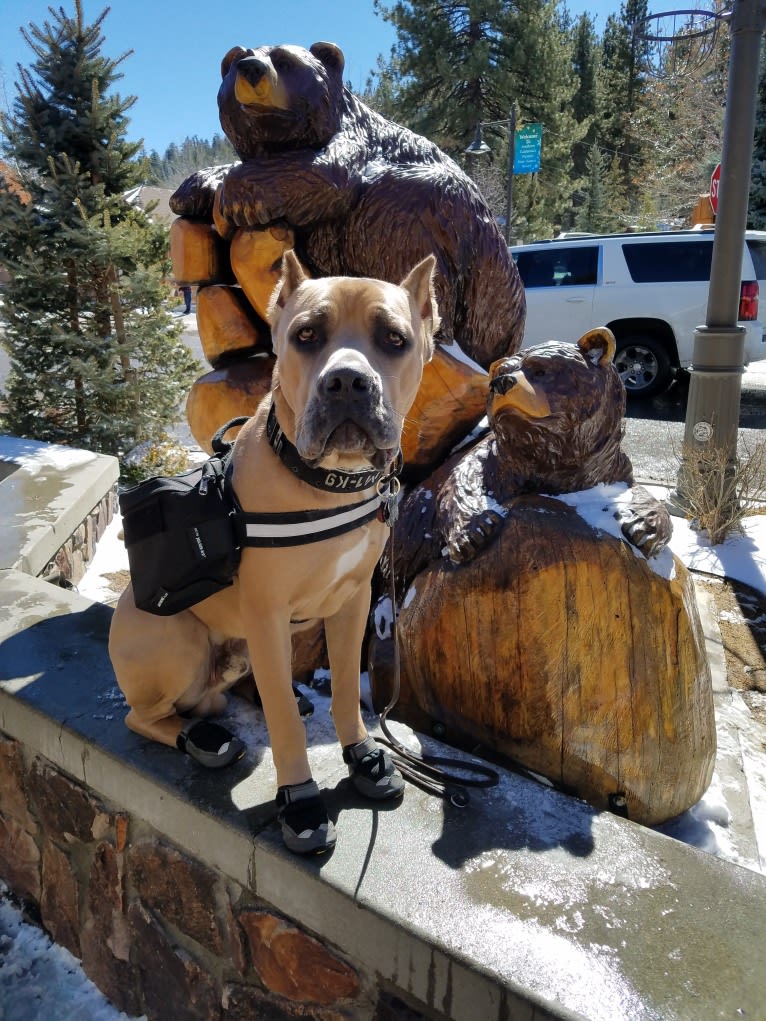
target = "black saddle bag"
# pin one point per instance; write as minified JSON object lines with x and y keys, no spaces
{"x":180,"y":533}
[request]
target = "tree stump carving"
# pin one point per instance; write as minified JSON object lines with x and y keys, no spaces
{"x":564,"y":650}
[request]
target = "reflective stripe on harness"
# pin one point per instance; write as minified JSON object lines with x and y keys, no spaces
{"x":300,"y":527}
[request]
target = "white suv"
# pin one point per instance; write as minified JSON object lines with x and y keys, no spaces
{"x":649,"y":289}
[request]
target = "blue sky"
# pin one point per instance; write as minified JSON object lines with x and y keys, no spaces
{"x":178,"y":46}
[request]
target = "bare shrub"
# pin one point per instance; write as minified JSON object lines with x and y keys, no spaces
{"x":719,"y":492}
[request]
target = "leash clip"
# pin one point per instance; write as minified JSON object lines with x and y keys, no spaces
{"x":388,"y":491}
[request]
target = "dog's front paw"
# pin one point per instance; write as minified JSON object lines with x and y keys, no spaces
{"x":371,"y":770}
{"x":306,"y":827}
{"x":209,"y":744}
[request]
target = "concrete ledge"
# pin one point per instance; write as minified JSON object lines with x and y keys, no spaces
{"x":525,"y":905}
{"x":43,"y":501}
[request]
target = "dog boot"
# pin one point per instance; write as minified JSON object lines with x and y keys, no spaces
{"x":306,"y":828}
{"x":372,"y":771}
{"x":209,"y":744}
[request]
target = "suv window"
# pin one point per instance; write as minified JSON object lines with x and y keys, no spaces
{"x":558,"y":268}
{"x":758,"y":255}
{"x":662,"y":262}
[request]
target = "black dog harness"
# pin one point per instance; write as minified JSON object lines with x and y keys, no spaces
{"x":297,"y":528}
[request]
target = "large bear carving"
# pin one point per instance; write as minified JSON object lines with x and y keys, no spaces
{"x":363,"y":196}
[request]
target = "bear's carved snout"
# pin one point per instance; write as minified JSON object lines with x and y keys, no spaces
{"x":252,"y":69}
{"x":258,"y":84}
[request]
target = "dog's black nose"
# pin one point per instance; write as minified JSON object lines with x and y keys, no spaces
{"x":252,"y":69}
{"x":344,"y":382}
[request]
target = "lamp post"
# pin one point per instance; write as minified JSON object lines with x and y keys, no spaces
{"x":479,"y":147}
{"x":712,"y":413}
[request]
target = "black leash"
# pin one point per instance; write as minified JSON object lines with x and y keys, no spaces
{"x":425,"y":770}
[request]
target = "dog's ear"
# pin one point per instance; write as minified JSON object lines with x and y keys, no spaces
{"x":293,"y":275}
{"x":419,"y":283}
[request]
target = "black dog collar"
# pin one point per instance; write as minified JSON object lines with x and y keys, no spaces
{"x":334,"y":480}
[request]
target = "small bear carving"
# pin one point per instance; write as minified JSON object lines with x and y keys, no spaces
{"x":556,"y":422}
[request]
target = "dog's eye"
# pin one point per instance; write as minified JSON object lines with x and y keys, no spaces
{"x":395,"y":339}
{"x":306,"y":335}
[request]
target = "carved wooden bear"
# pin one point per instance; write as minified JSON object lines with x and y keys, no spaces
{"x":364,"y":196}
{"x":352,"y":192}
{"x":556,"y":422}
{"x":527,"y":623}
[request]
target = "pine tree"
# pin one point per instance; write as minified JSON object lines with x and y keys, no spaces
{"x":595,"y":215}
{"x":180,"y":161}
{"x":757,"y":206}
{"x":95,"y":358}
{"x":463,"y":62}
{"x":622,"y":83}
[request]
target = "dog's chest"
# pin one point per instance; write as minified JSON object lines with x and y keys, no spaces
{"x":336,"y":573}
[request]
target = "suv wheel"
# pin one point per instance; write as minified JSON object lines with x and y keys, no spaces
{"x":643,"y":365}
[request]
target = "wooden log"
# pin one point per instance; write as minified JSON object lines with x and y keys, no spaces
{"x":451,"y":400}
{"x":228,"y":324}
{"x":199,"y":256}
{"x":256,"y":259}
{"x":564,"y":650}
{"x":226,"y":393}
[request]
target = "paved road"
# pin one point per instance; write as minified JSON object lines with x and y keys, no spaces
{"x":654,"y":430}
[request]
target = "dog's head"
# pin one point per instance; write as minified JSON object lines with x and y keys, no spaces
{"x":350,"y":356}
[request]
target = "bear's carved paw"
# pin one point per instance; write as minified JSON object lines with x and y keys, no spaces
{"x":464,"y":544}
{"x":241,"y":205}
{"x":645,"y":523}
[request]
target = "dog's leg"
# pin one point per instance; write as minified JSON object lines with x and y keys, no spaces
{"x":345,"y":633}
{"x":163,"y":664}
{"x":306,"y":827}
{"x":370,"y":767}
{"x":270,"y":648}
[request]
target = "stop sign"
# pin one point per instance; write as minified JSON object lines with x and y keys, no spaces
{"x":715,"y":180}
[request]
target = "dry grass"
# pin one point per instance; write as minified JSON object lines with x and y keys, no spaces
{"x":719,"y":492}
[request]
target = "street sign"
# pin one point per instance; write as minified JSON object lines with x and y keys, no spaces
{"x":528,"y":143}
{"x":715,"y":180}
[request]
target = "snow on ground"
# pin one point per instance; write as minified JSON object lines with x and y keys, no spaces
{"x":40,"y":981}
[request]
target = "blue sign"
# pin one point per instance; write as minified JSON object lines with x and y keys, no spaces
{"x":528,"y":144}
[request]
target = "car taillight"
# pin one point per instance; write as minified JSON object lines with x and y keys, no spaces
{"x":748,"y":301}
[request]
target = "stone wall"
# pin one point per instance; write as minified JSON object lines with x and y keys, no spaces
{"x":158,"y":932}
{"x":71,"y":561}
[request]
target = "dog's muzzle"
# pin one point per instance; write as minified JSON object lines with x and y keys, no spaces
{"x":348,"y":414}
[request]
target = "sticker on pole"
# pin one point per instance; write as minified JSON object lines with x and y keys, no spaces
{"x":702,"y":431}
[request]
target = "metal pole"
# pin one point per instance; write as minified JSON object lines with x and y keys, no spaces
{"x":712,"y":413}
{"x":511,"y":158}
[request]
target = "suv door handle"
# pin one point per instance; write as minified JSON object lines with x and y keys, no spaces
{"x":575,"y":301}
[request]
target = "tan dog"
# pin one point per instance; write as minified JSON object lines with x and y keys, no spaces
{"x":350,"y":355}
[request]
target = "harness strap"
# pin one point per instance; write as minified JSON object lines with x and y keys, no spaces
{"x":297,"y":528}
